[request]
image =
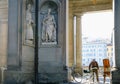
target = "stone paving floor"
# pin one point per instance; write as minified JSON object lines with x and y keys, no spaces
{"x":91,"y":82}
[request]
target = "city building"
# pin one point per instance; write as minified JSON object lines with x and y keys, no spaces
{"x":110,"y":53}
{"x":94,"y":50}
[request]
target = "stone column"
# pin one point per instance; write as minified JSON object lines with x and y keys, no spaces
{"x":78,"y":44}
{"x":71,"y":41}
{"x":116,"y":73}
{"x":3,"y":32}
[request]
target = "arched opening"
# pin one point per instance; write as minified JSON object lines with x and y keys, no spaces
{"x":97,"y":40}
{"x":76,"y":10}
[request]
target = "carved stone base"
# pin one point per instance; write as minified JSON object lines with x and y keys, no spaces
{"x":79,"y":69}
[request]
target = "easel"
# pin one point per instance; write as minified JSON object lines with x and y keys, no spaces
{"x":106,"y":65}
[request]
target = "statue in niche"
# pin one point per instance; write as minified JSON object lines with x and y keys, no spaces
{"x":49,"y":28}
{"x":29,"y":24}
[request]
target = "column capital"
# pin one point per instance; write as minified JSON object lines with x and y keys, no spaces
{"x":71,"y":15}
{"x":78,"y":14}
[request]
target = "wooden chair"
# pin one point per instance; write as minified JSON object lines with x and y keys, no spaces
{"x":106,"y":65}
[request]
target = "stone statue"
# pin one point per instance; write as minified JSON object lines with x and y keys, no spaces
{"x":49,"y":28}
{"x":29,"y":24}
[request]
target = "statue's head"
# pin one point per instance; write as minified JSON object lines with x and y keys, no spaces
{"x":29,"y":6}
{"x":49,"y":10}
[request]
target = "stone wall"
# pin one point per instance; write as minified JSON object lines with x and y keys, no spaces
{"x":51,"y":55}
{"x":3,"y":31}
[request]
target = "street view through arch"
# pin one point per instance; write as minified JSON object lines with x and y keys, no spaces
{"x":97,"y":39}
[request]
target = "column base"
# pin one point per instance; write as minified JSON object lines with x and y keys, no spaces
{"x":116,"y":76}
{"x":79,"y":69}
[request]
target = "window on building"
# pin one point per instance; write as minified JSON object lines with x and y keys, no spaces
{"x":111,"y":54}
{"x":111,"y":49}
{"x":107,"y":49}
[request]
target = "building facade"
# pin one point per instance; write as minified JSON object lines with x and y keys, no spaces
{"x":34,"y":52}
{"x":17,"y":50}
{"x":110,"y":53}
{"x":94,"y":50}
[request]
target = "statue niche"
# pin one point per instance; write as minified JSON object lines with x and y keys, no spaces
{"x":29,"y":37}
{"x":49,"y":28}
{"x":49,"y":24}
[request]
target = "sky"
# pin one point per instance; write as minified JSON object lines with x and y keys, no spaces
{"x":98,"y":24}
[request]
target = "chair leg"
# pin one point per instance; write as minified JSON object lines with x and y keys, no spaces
{"x":104,"y":77}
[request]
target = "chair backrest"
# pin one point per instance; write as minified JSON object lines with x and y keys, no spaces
{"x":106,"y":65}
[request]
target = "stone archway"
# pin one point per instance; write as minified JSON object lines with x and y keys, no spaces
{"x":77,"y":8}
